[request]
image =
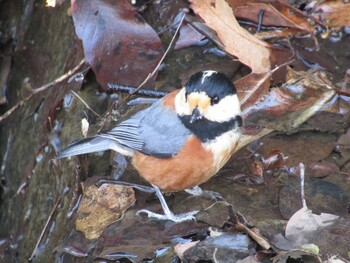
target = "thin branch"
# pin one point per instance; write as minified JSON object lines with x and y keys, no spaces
{"x":165,"y":53}
{"x":302,"y":184}
{"x":41,"y":89}
{"x":87,"y":106}
{"x":214,"y":255}
{"x":48,"y":221}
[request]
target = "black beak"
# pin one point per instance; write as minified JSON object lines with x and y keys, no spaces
{"x":196,"y":115}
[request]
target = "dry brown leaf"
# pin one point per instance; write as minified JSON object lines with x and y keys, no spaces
{"x":101,"y":206}
{"x":238,"y":42}
{"x":334,"y":13}
{"x":287,"y":107}
{"x":276,"y":13}
{"x":260,"y":56}
{"x":181,"y":248}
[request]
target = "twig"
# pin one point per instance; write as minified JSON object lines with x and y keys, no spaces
{"x":87,"y":106}
{"x":141,"y":188}
{"x":131,"y":90}
{"x":41,"y":89}
{"x":48,"y":221}
{"x":214,"y":255}
{"x":256,"y":236}
{"x":302,"y":184}
{"x":260,"y":19}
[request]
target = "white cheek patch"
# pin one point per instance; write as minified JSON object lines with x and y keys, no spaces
{"x":181,"y":106}
{"x":225,"y":110}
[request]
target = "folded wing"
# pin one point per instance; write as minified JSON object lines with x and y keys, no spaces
{"x":155,"y":131}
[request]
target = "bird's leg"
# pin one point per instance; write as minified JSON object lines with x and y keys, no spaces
{"x":141,"y":188}
{"x":197,"y":191}
{"x":168,"y":215}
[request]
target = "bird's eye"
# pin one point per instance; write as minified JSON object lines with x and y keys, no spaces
{"x":215,"y":100}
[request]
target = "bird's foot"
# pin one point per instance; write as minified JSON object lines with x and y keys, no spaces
{"x":197,"y":191}
{"x":169,"y":216}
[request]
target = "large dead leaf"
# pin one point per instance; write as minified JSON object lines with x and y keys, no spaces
{"x":118,"y":44}
{"x":238,"y":42}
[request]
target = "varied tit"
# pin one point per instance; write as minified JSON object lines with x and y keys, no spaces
{"x":180,"y":141}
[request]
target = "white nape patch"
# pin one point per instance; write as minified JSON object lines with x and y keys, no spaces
{"x":222,"y":146}
{"x":207,"y":74}
{"x":225,"y":110}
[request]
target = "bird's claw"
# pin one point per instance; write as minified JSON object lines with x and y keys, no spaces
{"x":197,"y":191}
{"x":172,"y":217}
{"x":213,"y":195}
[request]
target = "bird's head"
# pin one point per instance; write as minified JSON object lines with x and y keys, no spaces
{"x":210,"y":95}
{"x":208,"y":101}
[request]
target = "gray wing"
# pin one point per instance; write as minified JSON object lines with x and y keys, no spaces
{"x":155,"y":131}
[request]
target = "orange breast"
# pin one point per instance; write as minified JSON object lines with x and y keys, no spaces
{"x":192,"y":166}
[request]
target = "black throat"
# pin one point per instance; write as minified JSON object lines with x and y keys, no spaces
{"x":207,"y":130}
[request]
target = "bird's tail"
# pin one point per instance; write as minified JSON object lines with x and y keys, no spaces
{"x":86,"y":145}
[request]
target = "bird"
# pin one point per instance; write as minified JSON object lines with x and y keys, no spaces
{"x":180,"y":141}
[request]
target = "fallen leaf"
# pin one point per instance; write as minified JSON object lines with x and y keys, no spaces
{"x":227,"y":247}
{"x":343,"y":145}
{"x":295,"y":255}
{"x":181,"y":248}
{"x":291,"y":105}
{"x":274,"y":159}
{"x":237,"y":41}
{"x":188,"y":36}
{"x":276,"y":13}
{"x":321,"y":169}
{"x":249,"y":259}
{"x":334,"y":13}
{"x":118,"y":44}
{"x":304,"y":226}
{"x":101,"y":206}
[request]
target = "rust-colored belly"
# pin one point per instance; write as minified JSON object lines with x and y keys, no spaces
{"x":192,"y":166}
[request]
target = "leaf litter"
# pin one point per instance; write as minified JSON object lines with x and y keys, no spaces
{"x":288,"y":108}
{"x":296,"y":115}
